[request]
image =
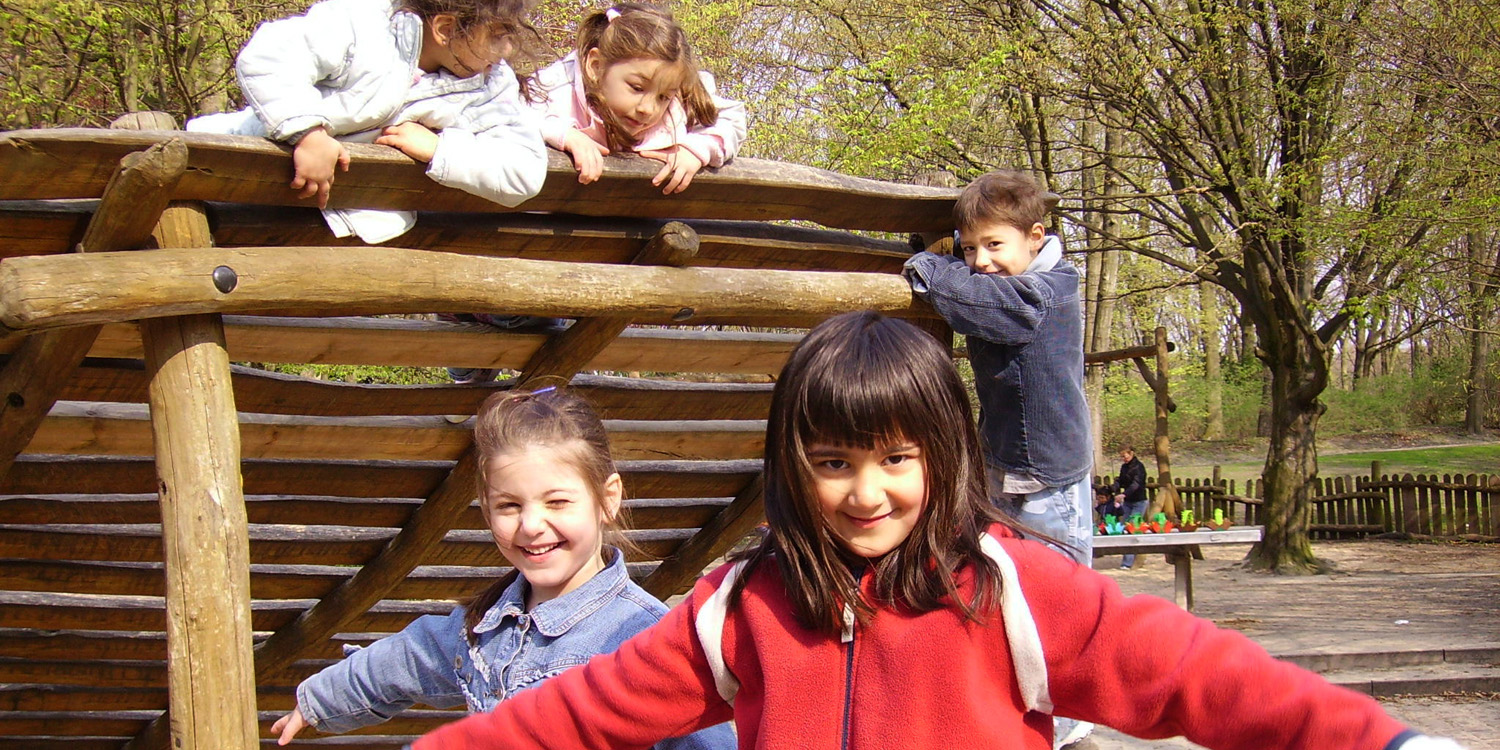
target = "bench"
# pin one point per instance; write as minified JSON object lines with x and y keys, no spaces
{"x":1180,"y":548}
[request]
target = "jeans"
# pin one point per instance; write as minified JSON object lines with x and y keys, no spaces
{"x":1132,"y":509}
{"x":1063,"y":514}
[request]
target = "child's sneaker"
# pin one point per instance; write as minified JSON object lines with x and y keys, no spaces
{"x":464,"y":375}
{"x":1075,"y":734}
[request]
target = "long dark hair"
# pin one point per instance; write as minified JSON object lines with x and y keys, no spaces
{"x":863,"y":379}
{"x":508,"y":18}
{"x":516,"y":420}
{"x":640,"y":31}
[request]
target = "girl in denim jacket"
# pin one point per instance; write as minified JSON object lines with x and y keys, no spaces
{"x":428,"y":77}
{"x":549,"y":492}
{"x":633,"y":84}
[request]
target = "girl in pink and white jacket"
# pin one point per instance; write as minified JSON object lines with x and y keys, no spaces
{"x":633,"y":84}
{"x":891,"y":606}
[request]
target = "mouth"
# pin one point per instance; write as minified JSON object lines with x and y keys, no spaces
{"x":540,"y":550}
{"x":867,"y":523}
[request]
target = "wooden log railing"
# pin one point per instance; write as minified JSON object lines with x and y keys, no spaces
{"x":69,"y":163}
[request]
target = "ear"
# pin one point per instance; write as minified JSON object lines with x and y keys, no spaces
{"x":442,"y":26}
{"x":1038,"y":234}
{"x":614,"y":495}
{"x":593,"y":65}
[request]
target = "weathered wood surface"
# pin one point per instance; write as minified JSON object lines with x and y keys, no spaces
{"x":132,"y":203}
{"x":48,"y":475}
{"x":124,"y":430}
{"x":55,"y":291}
{"x":679,"y":571}
{"x":203,"y":529}
{"x":262,"y":392}
{"x":417,"y":343}
{"x":65,"y":163}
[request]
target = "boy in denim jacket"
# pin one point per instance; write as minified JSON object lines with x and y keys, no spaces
{"x":1018,"y":304}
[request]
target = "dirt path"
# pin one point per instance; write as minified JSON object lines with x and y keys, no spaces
{"x":1385,"y":596}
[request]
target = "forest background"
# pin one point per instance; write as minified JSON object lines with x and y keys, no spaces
{"x":1303,"y":192}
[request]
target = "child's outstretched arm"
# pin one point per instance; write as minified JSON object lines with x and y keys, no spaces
{"x":376,"y":682}
{"x":656,"y":685}
{"x":1145,"y":667}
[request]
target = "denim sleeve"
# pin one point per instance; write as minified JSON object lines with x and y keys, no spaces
{"x":375,"y":683}
{"x":1001,"y":309}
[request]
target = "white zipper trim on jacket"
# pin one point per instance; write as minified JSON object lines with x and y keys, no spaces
{"x":1020,"y":632}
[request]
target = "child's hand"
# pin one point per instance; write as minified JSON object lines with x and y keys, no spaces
{"x":313,"y":161}
{"x":679,"y":165}
{"x":413,"y":138}
{"x":588,"y":155}
{"x":288,"y":726}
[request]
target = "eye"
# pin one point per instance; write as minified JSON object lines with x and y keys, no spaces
{"x":832,"y":464}
{"x":559,"y":502}
{"x":504,"y":506}
{"x":637,"y":88}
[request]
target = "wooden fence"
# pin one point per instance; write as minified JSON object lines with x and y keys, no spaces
{"x":1450,"y":506}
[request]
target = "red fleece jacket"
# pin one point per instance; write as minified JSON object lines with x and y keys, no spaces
{"x":935,"y":680}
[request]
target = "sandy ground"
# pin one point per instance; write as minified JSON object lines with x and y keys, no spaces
{"x":1384,"y":596}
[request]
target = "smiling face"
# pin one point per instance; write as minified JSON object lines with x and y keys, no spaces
{"x":637,"y":91}
{"x":1000,"y":248}
{"x":871,"y":498}
{"x":546,"y":519}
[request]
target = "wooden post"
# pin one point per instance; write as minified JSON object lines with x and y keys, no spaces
{"x":1410,"y":520}
{"x":210,"y":667}
{"x":1167,"y":498}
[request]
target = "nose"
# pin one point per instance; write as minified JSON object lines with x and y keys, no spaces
{"x":984,"y":260}
{"x":532,"y":521}
{"x":867,"y":491}
{"x":645,"y":107}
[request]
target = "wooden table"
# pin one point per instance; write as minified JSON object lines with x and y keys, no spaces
{"x":1180,"y":548}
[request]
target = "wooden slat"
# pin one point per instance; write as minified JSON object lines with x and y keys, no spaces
{"x":679,"y":571}
{"x":645,"y":513}
{"x":60,"y":475}
{"x":66,"y":163}
{"x":75,"y":612}
{"x":59,"y":698}
{"x":258,"y":391}
{"x":124,"y":430}
{"x":51,"y":291}
{"x":415,"y":343}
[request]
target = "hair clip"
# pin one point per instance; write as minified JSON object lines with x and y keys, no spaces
{"x":540,"y":391}
{"x":612,"y":13}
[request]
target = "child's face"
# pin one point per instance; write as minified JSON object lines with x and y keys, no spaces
{"x":637,"y":91}
{"x":871,"y":499}
{"x":464,"y":54}
{"x":546,"y":520}
{"x":998,"y":248}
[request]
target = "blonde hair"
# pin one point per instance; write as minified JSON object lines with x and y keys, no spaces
{"x":633,"y":31}
{"x":516,"y":420}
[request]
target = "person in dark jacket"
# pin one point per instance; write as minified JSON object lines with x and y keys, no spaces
{"x":1130,"y":489}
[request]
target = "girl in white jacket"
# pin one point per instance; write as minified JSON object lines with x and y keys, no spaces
{"x":428,"y":77}
{"x":633,"y":84}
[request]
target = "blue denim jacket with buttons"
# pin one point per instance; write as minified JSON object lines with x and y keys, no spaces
{"x":1025,"y":336}
{"x":431,"y":661}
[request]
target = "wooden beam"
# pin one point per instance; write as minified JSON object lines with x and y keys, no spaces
{"x":133,"y":200}
{"x":418,"y":343}
{"x":557,"y":361}
{"x":679,"y":571}
{"x":64,"y":163}
{"x":262,"y":392}
{"x":115,"y":287}
{"x":204,"y":533}
{"x":1131,"y":352}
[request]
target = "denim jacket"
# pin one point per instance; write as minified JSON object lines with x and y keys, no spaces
{"x":1025,"y":336}
{"x":431,"y":662}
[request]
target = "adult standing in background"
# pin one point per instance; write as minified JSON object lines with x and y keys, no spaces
{"x":1130,"y":488}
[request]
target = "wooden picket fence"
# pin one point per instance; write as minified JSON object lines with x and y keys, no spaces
{"x":1348,"y":507}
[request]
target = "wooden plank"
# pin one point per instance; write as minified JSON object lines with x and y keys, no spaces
{"x":132,"y":202}
{"x":66,"y":475}
{"x":42,"y":227}
{"x":567,"y":352}
{"x":679,"y":571}
{"x":580,"y":239}
{"x":65,"y":163}
{"x":59,"y":698}
{"x":54,"y":291}
{"x":415,"y":343}
{"x":259,"y":391}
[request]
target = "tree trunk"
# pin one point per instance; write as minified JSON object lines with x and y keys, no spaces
{"x":1263,"y":416}
{"x":1213,"y":427}
{"x":1477,"y":385}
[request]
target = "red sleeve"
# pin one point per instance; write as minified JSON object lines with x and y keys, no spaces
{"x":656,"y":685}
{"x":1143,"y":666}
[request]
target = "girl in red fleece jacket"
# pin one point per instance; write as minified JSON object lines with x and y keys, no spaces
{"x":889,"y":606}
